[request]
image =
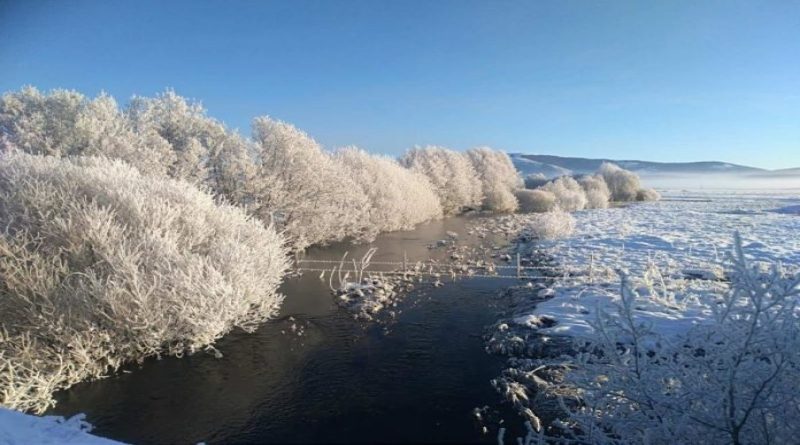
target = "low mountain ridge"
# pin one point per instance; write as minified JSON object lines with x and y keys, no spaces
{"x":552,"y":166}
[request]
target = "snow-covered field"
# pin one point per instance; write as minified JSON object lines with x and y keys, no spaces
{"x":17,"y":428}
{"x":674,"y":250}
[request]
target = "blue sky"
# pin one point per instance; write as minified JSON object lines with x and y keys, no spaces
{"x":660,"y":80}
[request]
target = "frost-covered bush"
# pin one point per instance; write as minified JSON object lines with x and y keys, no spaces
{"x":622,"y":183}
{"x":535,"y":180}
{"x":597,"y":193}
{"x":551,"y":225}
{"x":100,"y":265}
{"x":733,"y":380}
{"x":569,"y":194}
{"x":398,"y":198}
{"x":535,"y":201}
{"x":299,"y":187}
{"x":499,"y":178}
{"x":647,"y":195}
{"x":203,"y":150}
{"x":66,"y":123}
{"x":451,"y":173}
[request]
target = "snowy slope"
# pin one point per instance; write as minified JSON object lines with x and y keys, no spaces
{"x":527,"y":167}
{"x":23,"y":429}
{"x":554,"y":164}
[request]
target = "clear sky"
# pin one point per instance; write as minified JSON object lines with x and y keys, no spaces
{"x":654,"y":80}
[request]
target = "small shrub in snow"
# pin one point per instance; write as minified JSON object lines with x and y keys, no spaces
{"x":622,"y":183}
{"x":733,"y":380}
{"x":535,"y":201}
{"x":569,"y":194}
{"x":550,"y":225}
{"x":535,"y":180}
{"x":100,"y":265}
{"x":647,"y":195}
{"x":597,"y":193}
{"x":453,"y":176}
{"x":499,"y":178}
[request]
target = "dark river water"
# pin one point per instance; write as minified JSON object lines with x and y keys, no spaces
{"x":316,"y":375}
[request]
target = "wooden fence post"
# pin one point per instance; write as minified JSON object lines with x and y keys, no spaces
{"x":519,"y":267}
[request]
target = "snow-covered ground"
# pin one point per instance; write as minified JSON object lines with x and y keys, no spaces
{"x":674,"y":251}
{"x":17,"y":428}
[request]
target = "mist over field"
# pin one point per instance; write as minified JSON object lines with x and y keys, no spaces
{"x":694,"y":181}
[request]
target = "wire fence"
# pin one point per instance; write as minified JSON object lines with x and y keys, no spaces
{"x":434,"y":268}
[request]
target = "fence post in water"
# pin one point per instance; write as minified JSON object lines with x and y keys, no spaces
{"x":591,"y":268}
{"x":519,"y":267}
{"x":405,"y":261}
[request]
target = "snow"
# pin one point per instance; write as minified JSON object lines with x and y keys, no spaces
{"x":791,"y":210}
{"x":674,"y":251}
{"x":17,"y":428}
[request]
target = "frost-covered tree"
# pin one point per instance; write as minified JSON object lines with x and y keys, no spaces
{"x":622,"y":183}
{"x":42,"y":123}
{"x":299,"y":187}
{"x":597,"y":193}
{"x":453,"y":176}
{"x":399,"y":198}
{"x":535,"y":180}
{"x":569,"y":194}
{"x":100,"y":265}
{"x":733,"y":380}
{"x":66,"y":123}
{"x":499,"y":178}
{"x":536,"y":201}
{"x":194,"y":138}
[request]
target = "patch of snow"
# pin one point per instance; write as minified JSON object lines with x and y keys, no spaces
{"x":17,"y":428}
{"x":790,"y":210}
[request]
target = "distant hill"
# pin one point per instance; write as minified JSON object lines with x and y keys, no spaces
{"x":552,"y":166}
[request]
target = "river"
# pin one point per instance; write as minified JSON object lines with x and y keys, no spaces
{"x":315,"y":374}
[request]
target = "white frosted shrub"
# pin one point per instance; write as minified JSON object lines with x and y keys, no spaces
{"x":535,"y":180}
{"x":733,"y":380}
{"x":535,"y":201}
{"x":100,"y":265}
{"x":299,"y":187}
{"x":66,"y":123}
{"x":204,"y":151}
{"x":597,"y":193}
{"x":452,"y":175}
{"x":499,"y":178}
{"x":398,"y":198}
{"x":647,"y":195}
{"x":569,"y":194}
{"x":622,"y":183}
{"x":551,"y":225}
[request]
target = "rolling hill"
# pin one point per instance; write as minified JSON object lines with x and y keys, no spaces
{"x":552,"y":166}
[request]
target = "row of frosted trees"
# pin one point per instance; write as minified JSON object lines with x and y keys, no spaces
{"x":280,"y":175}
{"x":149,"y":229}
